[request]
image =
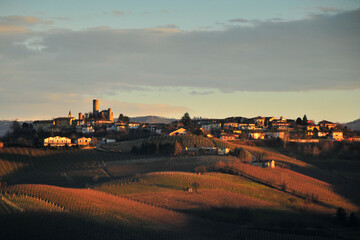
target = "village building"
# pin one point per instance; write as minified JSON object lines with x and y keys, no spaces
{"x":259,"y":121}
{"x":280,"y":124}
{"x":247,"y":126}
{"x":133,"y":125}
{"x":83,"y":141}
{"x":275,"y":135}
{"x":312,"y":127}
{"x":180,"y":131}
{"x":57,"y":141}
{"x":337,"y":135}
{"x":230,"y":125}
{"x":322,"y":134}
{"x":87,"y":130}
{"x":229,"y":137}
{"x":64,"y":122}
{"x":43,"y":125}
{"x":327,"y":125}
{"x":257,"y":135}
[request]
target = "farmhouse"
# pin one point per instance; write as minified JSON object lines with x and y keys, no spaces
{"x":83,"y":141}
{"x":337,"y":135}
{"x":57,"y":141}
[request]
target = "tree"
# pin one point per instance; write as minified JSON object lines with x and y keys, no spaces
{"x":123,"y":118}
{"x":15,"y":126}
{"x":305,"y":120}
{"x":177,"y":148}
{"x":186,"y":120}
{"x":298,"y":121}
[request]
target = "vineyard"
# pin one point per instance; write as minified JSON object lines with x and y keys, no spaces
{"x":294,"y":183}
{"x":130,"y":196}
{"x":178,"y":163}
{"x":189,"y":141}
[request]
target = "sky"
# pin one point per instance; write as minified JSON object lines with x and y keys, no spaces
{"x":213,"y":59}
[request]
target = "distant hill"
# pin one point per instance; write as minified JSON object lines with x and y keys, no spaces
{"x":4,"y":127}
{"x":355,"y":125}
{"x":152,"y":119}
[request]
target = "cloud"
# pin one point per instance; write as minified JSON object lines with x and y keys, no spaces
{"x":238,"y":20}
{"x":164,"y":11}
{"x":22,"y":20}
{"x":115,"y":13}
{"x":8,"y":29}
{"x":19,"y":24}
{"x":201,"y":93}
{"x":318,"y":53}
{"x":168,"y":26}
{"x":33,"y":44}
{"x":329,"y":10}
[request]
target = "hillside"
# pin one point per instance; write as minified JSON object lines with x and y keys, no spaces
{"x":115,"y":195}
{"x":152,"y":119}
{"x":355,"y":125}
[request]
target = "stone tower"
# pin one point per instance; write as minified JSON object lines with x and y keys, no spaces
{"x":95,"y":106}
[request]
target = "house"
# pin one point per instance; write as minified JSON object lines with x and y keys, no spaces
{"x":236,"y":131}
{"x":275,"y":135}
{"x":259,"y":121}
{"x":264,"y":164}
{"x":83,"y":141}
{"x":246,"y":126}
{"x":230,"y":125}
{"x":64,"y":122}
{"x":327,"y":125}
{"x":111,"y":128}
{"x":207,"y":127}
{"x":312,"y":127}
{"x":337,"y":135}
{"x":133,"y":125}
{"x":57,"y":141}
{"x":354,"y":139}
{"x":223,"y":151}
{"x":228,"y":137}
{"x":87,"y":129}
{"x":322,"y":134}
{"x":280,"y":123}
{"x":180,"y":131}
{"x":257,"y":135}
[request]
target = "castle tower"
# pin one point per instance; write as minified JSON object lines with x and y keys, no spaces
{"x":95,"y":106}
{"x":111,"y":115}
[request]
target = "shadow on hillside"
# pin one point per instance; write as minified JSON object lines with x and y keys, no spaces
{"x":27,"y":165}
{"x":246,"y":223}
{"x":214,"y":223}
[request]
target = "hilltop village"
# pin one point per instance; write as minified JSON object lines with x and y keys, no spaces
{"x":97,"y":127}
